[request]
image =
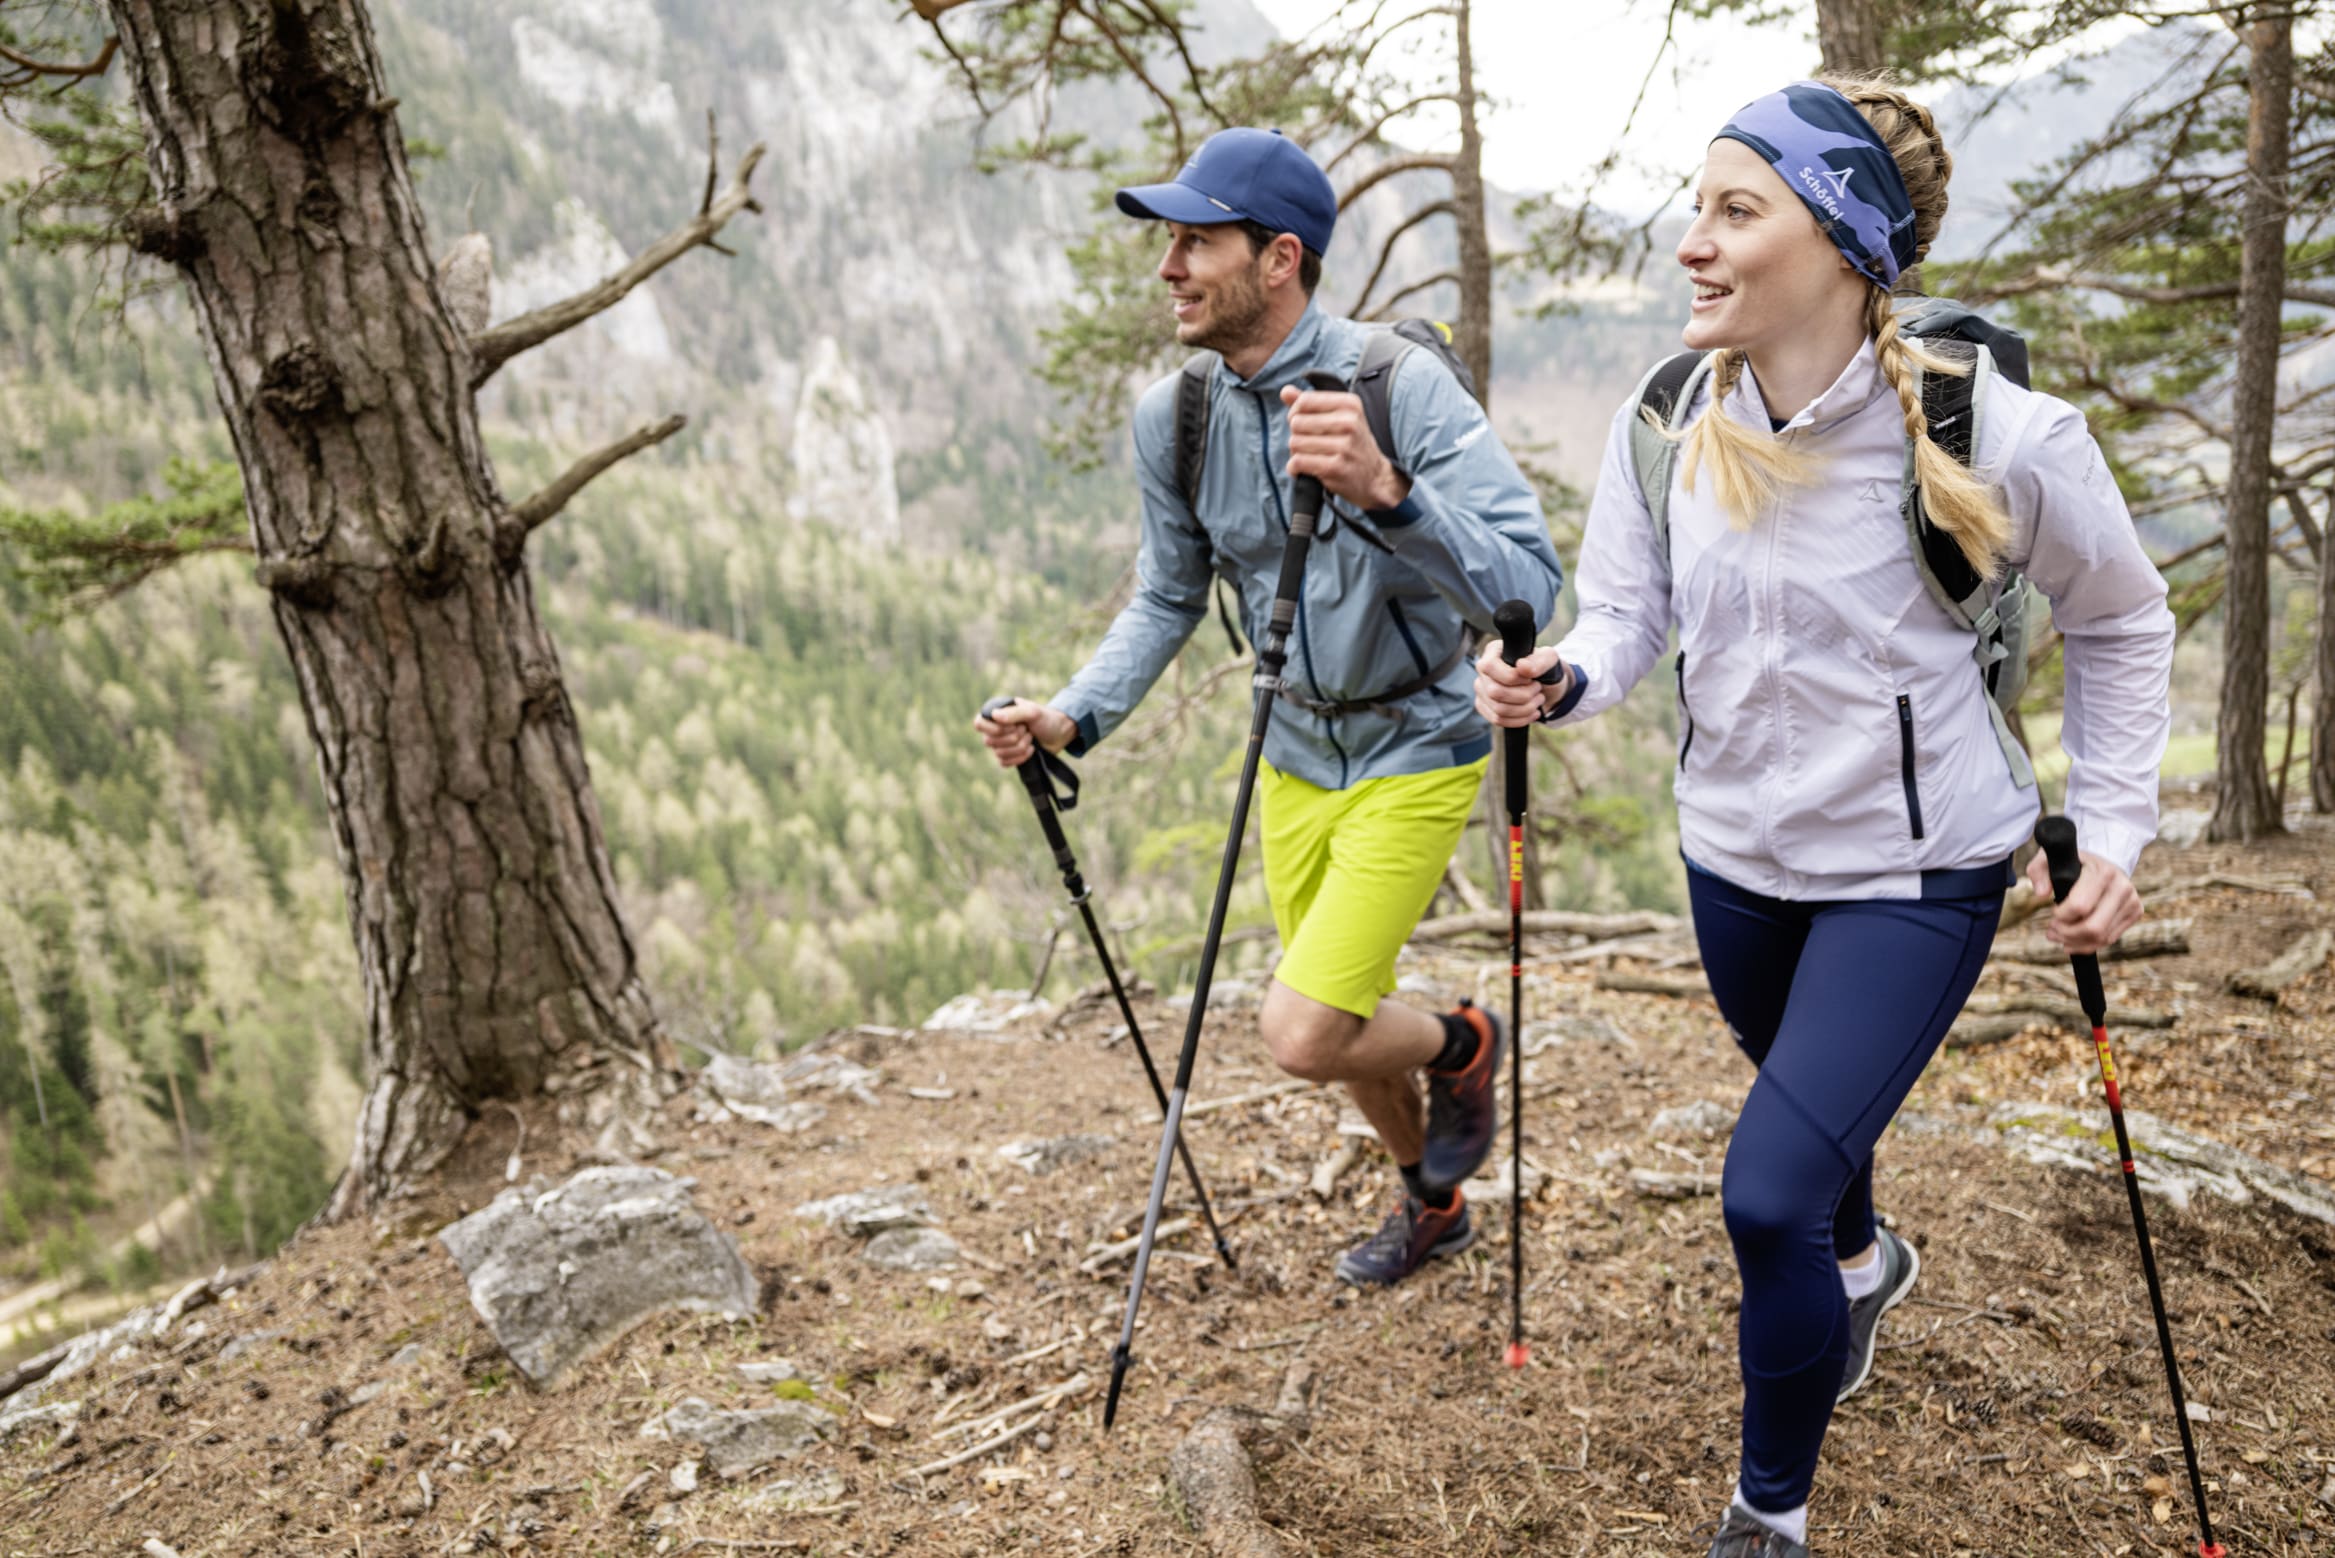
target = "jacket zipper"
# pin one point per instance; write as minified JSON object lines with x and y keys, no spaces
{"x":1913,"y":797}
{"x":1685,"y":712}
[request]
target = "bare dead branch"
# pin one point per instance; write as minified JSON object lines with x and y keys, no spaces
{"x":1370,"y":132}
{"x":931,"y":10}
{"x":490,"y":349}
{"x":524,"y":516}
{"x":2052,"y":278}
{"x":1387,"y":170}
{"x":1386,"y":310}
{"x":28,"y":69}
{"x":1386,"y":250}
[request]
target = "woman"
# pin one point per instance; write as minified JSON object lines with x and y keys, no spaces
{"x":1844,"y":804}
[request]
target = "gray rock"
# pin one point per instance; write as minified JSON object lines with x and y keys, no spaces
{"x":775,"y":1371}
{"x":558,"y":1274}
{"x":913,"y":1249}
{"x":828,"y":1073}
{"x":737,"y":1442}
{"x":1044,"y":1157}
{"x":2167,"y":1160}
{"x":34,"y":1419}
{"x":863,"y":1213}
{"x":246,"y":1343}
{"x":813,"y":1490}
{"x":987,"y":1014}
{"x":1700,"y":1118}
{"x":758,"y":1093}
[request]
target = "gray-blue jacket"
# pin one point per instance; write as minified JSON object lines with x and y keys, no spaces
{"x":1388,"y":594}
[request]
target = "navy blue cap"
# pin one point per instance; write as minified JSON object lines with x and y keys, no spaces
{"x":1245,"y":175}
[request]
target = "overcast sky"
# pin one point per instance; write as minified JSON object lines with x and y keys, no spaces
{"x":1564,"y":73}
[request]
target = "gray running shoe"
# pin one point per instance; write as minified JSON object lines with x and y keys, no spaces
{"x":1899,"y":1266}
{"x":1741,"y":1536}
{"x":1413,"y":1234}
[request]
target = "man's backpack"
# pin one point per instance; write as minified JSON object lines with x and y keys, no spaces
{"x":1996,"y":611}
{"x":1383,"y":349}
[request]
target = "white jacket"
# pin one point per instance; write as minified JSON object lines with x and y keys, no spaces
{"x":1810,"y":645}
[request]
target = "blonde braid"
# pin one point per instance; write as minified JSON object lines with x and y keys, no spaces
{"x":1750,"y":468}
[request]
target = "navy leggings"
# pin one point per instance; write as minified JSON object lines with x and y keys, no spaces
{"x":1839,"y":1005}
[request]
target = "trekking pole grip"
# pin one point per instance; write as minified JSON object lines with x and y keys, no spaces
{"x":1514,"y":621}
{"x":2056,"y":837}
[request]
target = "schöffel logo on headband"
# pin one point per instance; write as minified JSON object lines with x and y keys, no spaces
{"x":1827,"y":187}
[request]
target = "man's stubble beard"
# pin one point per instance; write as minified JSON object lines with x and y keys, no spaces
{"x":1236,"y":309}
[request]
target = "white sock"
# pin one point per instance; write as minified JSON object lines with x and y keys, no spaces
{"x":1861,"y":1281}
{"x":1792,"y":1523}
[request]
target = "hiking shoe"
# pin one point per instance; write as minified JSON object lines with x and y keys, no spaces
{"x":1463,"y":1115}
{"x":1413,"y":1234}
{"x":1899,"y":1266}
{"x":1741,"y":1536}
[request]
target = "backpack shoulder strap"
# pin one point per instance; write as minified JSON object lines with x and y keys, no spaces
{"x":1666,"y":391}
{"x":1954,"y":405}
{"x":1193,"y":387}
{"x":1383,"y":351}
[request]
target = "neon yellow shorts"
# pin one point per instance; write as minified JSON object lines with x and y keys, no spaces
{"x":1350,"y":872}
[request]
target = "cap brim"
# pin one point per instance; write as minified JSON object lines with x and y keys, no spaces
{"x":1174,"y":203}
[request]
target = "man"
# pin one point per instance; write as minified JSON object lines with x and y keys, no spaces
{"x":1375,"y":753}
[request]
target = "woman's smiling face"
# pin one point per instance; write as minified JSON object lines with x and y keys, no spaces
{"x":1762,"y":269}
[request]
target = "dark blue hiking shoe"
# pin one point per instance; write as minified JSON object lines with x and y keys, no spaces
{"x":1463,"y":1112}
{"x":1740,"y":1536}
{"x":1899,"y":1266}
{"x":1413,"y":1234}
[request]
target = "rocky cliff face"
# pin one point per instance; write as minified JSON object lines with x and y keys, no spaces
{"x":888,"y":299}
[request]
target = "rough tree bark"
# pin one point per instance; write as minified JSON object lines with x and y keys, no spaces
{"x":2323,"y":669}
{"x":1852,"y":36}
{"x":480,"y":893}
{"x":2243,"y":807}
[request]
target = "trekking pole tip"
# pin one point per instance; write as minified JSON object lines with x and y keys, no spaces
{"x":2212,"y":1550}
{"x":1224,"y":1253}
{"x":1120,"y":1358}
{"x":1518,"y":1355}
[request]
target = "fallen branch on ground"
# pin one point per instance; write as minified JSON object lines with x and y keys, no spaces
{"x":1213,"y":1472}
{"x":1648,"y":984}
{"x":1111,"y":1254}
{"x":2302,"y":956}
{"x":1331,"y":1169}
{"x":1548,"y":922}
{"x":2067,"y":1013}
{"x":947,"y":1463}
{"x":1255,"y":1095}
{"x":2149,"y":939}
{"x":1672,"y":1187}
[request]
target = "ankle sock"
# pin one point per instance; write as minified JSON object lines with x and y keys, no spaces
{"x":1792,"y":1522}
{"x":1864,"y":1281}
{"x":1460,"y":1042}
{"x":1418,"y":1188}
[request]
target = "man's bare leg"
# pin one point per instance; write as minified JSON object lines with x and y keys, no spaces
{"x":1373,"y":1057}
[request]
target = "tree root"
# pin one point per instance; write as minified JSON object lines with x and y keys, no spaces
{"x":1213,"y":1472}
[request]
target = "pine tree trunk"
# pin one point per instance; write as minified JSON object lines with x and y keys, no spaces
{"x":2323,"y":669}
{"x":479,"y":888}
{"x":1852,"y":36}
{"x":2243,"y":805}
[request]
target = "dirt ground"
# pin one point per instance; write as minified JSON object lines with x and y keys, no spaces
{"x":2018,"y":1407}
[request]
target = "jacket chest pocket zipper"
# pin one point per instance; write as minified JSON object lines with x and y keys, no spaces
{"x":1685,"y":714}
{"x":1905,"y":755}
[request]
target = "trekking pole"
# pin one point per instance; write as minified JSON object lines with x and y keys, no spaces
{"x":1305,"y":512}
{"x":1040,"y":772}
{"x":1514,"y":620}
{"x":2056,"y":837}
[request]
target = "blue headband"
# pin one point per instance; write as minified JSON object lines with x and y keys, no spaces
{"x":1839,"y":166}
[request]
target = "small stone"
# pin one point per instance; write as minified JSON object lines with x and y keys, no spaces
{"x":684,"y":1477}
{"x":1700,"y":1118}
{"x":245,"y":1343}
{"x":812,"y":1490}
{"x":913,"y":1249}
{"x":737,"y":1442}
{"x":865,"y":1213}
{"x":774,"y":1371}
{"x":1046,"y":1157}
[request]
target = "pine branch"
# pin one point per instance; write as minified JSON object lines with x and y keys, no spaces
{"x":490,"y":349}
{"x":76,"y":562}
{"x":511,"y":534}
